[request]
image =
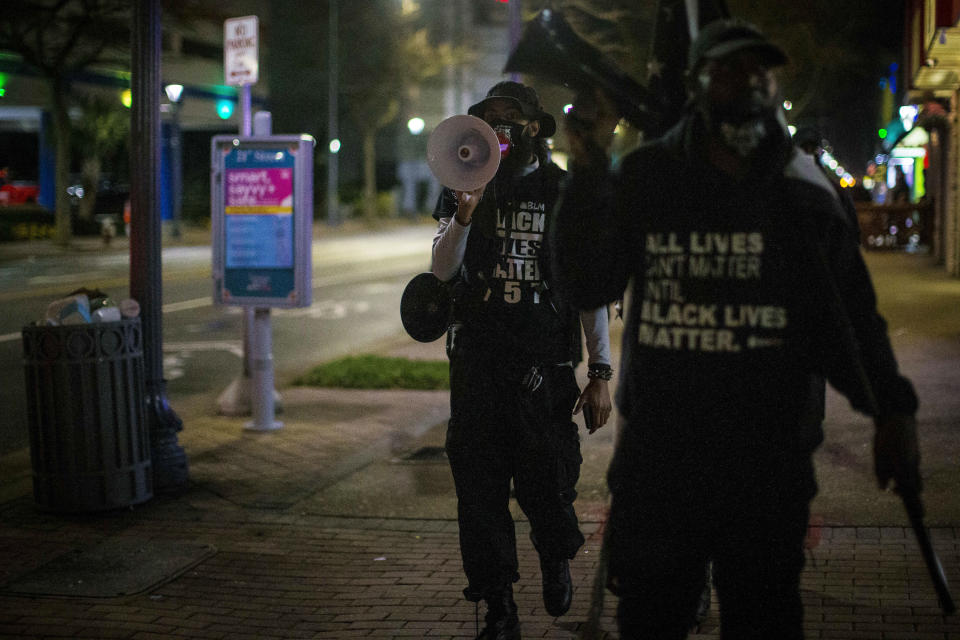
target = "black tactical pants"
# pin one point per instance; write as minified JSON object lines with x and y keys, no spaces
{"x":500,"y":433}
{"x":667,"y":522}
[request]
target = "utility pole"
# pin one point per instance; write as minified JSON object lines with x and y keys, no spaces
{"x":333,"y":166}
{"x":175,"y":95}
{"x":146,"y":278}
{"x":516,"y":26}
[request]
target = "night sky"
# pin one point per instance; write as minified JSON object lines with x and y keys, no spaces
{"x":840,"y":50}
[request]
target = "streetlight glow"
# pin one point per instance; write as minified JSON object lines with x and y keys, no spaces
{"x":225,"y":109}
{"x":173,"y":91}
{"x":415,"y":126}
{"x":335,"y":145}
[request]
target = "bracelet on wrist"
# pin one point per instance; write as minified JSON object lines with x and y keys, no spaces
{"x":599,"y":372}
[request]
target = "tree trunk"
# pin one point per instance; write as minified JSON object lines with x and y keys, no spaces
{"x":90,"y":178}
{"x":61,"y":133}
{"x":369,"y":174}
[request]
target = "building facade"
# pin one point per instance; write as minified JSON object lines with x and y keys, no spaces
{"x":932,"y":62}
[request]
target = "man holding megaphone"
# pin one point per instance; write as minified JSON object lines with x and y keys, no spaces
{"x":513,"y":347}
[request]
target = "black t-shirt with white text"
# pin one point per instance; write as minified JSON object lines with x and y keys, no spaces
{"x":509,"y":309}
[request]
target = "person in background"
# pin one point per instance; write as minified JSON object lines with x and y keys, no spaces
{"x":900,"y":193}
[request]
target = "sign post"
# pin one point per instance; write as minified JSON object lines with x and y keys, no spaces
{"x":262,"y":213}
{"x":262,"y":222}
{"x":241,"y":60}
{"x":241,"y":68}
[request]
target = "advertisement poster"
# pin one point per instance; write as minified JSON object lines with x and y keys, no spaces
{"x":258,"y":193}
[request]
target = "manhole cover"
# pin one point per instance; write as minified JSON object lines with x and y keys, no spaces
{"x":115,"y":567}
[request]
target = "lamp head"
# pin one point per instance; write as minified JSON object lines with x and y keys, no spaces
{"x":174,"y":92}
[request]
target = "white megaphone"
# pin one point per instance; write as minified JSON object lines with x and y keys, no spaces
{"x":463,"y":152}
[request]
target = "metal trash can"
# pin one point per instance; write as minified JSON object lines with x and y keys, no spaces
{"x":89,"y":445}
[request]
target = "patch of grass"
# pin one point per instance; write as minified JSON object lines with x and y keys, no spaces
{"x":378,"y":372}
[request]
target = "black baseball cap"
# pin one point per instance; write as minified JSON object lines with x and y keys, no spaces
{"x":527,"y":101}
{"x":723,"y":37}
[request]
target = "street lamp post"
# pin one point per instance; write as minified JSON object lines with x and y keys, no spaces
{"x":146,"y":283}
{"x":174,"y":94}
{"x":333,"y":168}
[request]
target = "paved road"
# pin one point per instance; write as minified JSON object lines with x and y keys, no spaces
{"x":357,"y":283}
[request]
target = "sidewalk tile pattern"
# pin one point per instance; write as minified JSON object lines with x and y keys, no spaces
{"x":280,"y":576}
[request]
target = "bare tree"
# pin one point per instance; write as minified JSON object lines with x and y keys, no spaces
{"x":390,"y":55}
{"x":57,"y":39}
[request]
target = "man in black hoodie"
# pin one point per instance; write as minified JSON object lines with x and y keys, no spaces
{"x":746,"y":291}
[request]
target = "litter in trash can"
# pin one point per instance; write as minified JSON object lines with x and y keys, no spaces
{"x":73,"y":309}
{"x":85,"y":305}
{"x":106,"y":314}
{"x":89,"y":446}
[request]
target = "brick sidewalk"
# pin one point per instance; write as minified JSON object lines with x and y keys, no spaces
{"x":281,"y":568}
{"x":275,"y":575}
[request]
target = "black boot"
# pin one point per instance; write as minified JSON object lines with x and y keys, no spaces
{"x":502,"y":621}
{"x":557,"y":589}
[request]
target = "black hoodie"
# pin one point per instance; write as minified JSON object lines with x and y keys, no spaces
{"x":731,"y":318}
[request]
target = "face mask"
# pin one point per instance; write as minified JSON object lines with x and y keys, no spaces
{"x":743,"y":138}
{"x":743,"y":129}
{"x":742,"y":121}
{"x":512,"y":141}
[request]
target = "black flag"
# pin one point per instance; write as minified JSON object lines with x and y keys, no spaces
{"x":677,"y":23}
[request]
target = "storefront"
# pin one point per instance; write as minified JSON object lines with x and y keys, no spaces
{"x":932,"y":45}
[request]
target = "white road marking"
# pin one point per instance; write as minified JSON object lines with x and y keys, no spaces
{"x":67,"y":277}
{"x":326,"y":309}
{"x":176,"y":354}
{"x":186,"y":348}
{"x":172,"y":367}
{"x":183,"y":305}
